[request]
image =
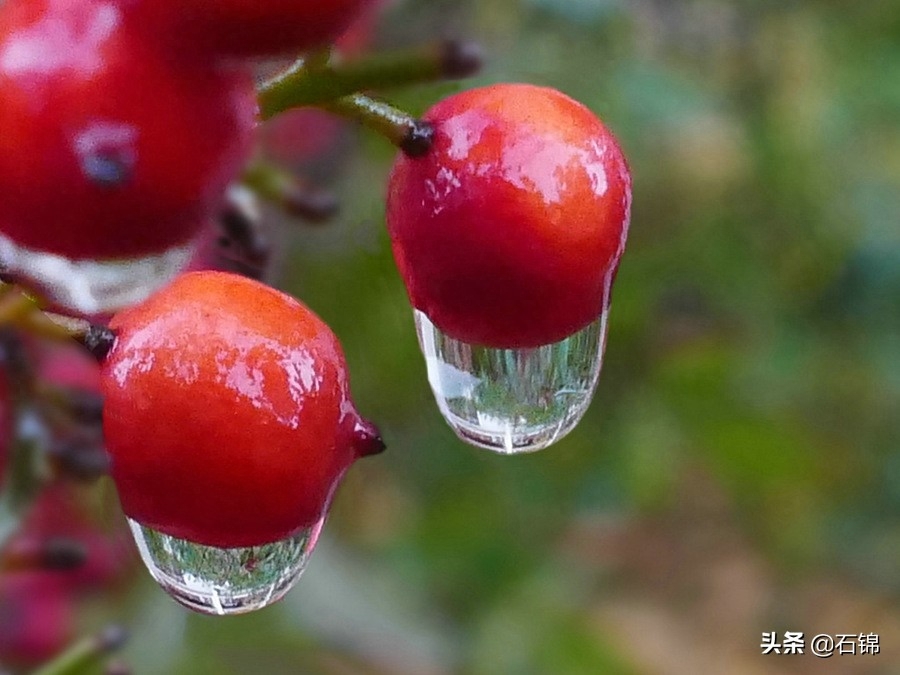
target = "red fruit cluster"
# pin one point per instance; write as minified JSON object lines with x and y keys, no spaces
{"x":508,"y":231}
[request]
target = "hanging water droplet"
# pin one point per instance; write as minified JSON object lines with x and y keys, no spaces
{"x":222,"y":581}
{"x":92,"y":286}
{"x":513,"y":400}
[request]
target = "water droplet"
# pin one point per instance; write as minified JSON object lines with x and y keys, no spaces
{"x":92,"y":286}
{"x":224,"y":581}
{"x":513,"y":400}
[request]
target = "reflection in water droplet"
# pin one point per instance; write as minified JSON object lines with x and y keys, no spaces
{"x":223,"y":581}
{"x":106,"y":169}
{"x":93,"y":286}
{"x":513,"y":400}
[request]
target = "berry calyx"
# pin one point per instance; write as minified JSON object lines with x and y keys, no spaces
{"x":227,"y":413}
{"x":508,"y":231}
{"x":111,"y":149}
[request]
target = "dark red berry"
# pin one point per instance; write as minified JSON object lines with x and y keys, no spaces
{"x":247,"y":28}
{"x":509,"y":229}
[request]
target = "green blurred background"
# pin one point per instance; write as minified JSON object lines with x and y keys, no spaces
{"x":738,"y":471}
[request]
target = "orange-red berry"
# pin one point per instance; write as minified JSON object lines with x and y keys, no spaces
{"x":227,"y":413}
{"x":508,"y":232}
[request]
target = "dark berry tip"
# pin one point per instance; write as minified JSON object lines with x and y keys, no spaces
{"x":112,"y":638}
{"x":312,"y":205}
{"x":118,"y":668}
{"x":461,"y":58}
{"x":80,"y":459}
{"x":367,"y":439}
{"x":99,"y":341}
{"x":62,"y":553}
{"x":419,"y":139}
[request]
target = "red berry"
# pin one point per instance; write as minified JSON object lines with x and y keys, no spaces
{"x":36,"y":617}
{"x":248,"y":28}
{"x":508,"y":232}
{"x":58,"y":515}
{"x":227,"y":413}
{"x":69,"y":366}
{"x":110,"y":148}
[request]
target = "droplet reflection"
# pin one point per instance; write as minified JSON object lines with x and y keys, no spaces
{"x":513,"y":400}
{"x":224,"y":581}
{"x":93,"y":286}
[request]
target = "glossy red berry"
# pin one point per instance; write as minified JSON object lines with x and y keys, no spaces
{"x":227,"y":412}
{"x":508,"y":232}
{"x":248,"y":28}
{"x":110,"y":148}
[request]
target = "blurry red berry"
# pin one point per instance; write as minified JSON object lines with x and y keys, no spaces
{"x":227,"y":412}
{"x":305,"y":136}
{"x":301,"y":137}
{"x":247,"y":28}
{"x":110,"y":148}
{"x":69,"y":366}
{"x":58,"y":515}
{"x":508,"y":231}
{"x":36,"y":618}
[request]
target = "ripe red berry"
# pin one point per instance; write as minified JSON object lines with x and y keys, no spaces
{"x":248,"y":28}
{"x":110,"y":147}
{"x":227,"y":412}
{"x":508,"y":232}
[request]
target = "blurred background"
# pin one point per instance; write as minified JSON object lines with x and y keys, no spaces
{"x":739,"y":469}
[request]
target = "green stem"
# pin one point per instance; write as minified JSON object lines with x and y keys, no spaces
{"x":412,"y":135}
{"x":85,"y":653}
{"x":308,"y":83}
{"x":285,"y":190}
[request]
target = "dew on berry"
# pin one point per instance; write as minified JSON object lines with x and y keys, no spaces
{"x":513,"y":401}
{"x":225,"y":581}
{"x":93,"y":286}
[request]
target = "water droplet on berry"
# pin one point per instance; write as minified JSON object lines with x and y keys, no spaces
{"x":224,"y":581}
{"x":92,"y":286}
{"x":513,"y":400}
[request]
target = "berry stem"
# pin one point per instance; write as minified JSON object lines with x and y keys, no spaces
{"x":86,"y":653}
{"x":412,"y":135}
{"x":285,"y":190}
{"x":319,"y":81}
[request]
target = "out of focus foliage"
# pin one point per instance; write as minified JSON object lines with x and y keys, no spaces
{"x":739,"y":470}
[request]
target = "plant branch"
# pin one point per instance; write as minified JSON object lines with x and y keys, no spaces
{"x":412,"y":135}
{"x":315,"y":83}
{"x":84,"y":654}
